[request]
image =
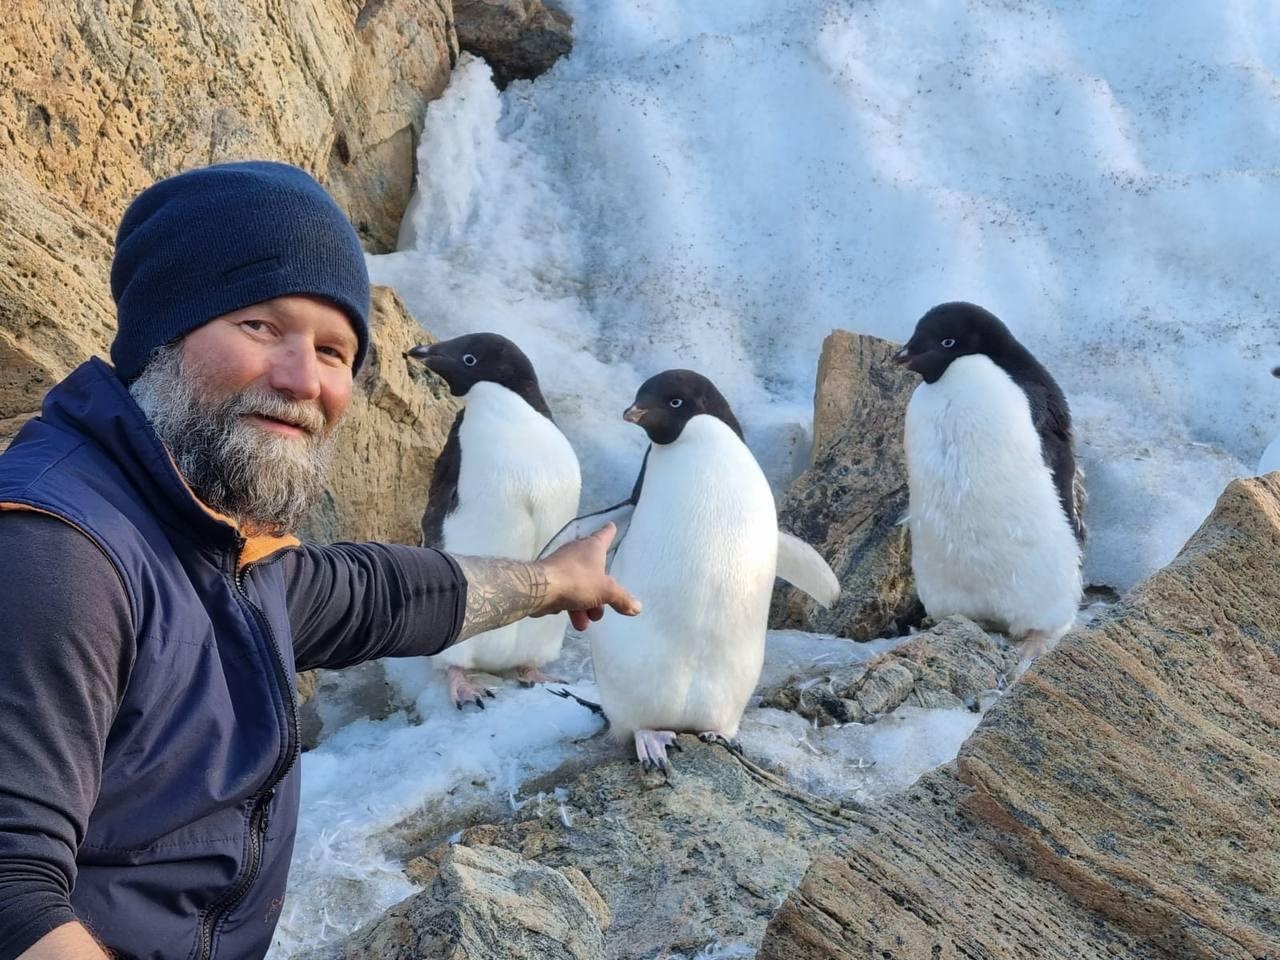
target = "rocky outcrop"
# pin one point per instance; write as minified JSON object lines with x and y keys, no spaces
{"x":486,"y":902}
{"x":519,"y":39}
{"x":950,"y":666}
{"x":848,"y":503}
{"x":99,"y":100}
{"x":1121,"y":800}
{"x":677,"y":865}
{"x":387,"y":446}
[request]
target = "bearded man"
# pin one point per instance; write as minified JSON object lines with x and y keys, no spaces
{"x":155,"y":606}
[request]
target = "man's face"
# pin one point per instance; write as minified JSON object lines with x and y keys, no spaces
{"x":297,"y":347}
{"x":247,"y":404}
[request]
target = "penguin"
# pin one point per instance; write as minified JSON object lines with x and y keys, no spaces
{"x":996,"y":499}
{"x":506,"y":480}
{"x":698,"y":541}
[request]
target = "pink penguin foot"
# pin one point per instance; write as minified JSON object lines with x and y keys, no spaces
{"x":715,"y":736}
{"x":528,"y":675}
{"x":651,"y":748}
{"x":462,"y":690}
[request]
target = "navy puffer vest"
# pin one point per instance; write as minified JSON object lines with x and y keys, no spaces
{"x":188,"y":846}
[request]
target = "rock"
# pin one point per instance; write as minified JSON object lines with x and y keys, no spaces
{"x":1121,"y":800}
{"x":848,"y":503}
{"x":387,"y":446}
{"x":519,"y":39}
{"x":483,"y":903}
{"x":330,"y":699}
{"x":948,"y":666}
{"x":706,"y":858}
{"x":101,"y":100}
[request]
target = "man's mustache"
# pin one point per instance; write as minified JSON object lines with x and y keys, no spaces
{"x":307,"y":416}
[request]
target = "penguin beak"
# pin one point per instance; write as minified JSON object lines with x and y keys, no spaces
{"x":634,"y":414}
{"x":902,"y":357}
{"x":420,"y":352}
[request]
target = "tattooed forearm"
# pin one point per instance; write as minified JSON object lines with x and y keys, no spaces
{"x":500,"y":592}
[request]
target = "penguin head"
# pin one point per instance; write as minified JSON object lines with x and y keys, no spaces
{"x":949,"y":331}
{"x":666,"y":402}
{"x":479,"y":357}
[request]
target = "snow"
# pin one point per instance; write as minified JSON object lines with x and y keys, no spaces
{"x":719,"y":185}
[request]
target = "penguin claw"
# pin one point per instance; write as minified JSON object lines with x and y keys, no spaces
{"x":462,"y":691}
{"x":651,"y":749}
{"x":529,"y":676}
{"x":732,"y":744}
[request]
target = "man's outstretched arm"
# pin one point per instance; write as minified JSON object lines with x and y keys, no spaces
{"x":350,"y":602}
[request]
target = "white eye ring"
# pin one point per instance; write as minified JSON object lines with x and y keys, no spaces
{"x":675,"y":402}
{"x":469,"y":359}
{"x":949,"y":343}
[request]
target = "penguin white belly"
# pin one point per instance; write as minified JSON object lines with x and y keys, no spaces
{"x":989,"y":537}
{"x":700,"y":554}
{"x":518,"y":483}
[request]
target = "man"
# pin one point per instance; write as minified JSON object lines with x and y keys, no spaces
{"x":155,"y":608}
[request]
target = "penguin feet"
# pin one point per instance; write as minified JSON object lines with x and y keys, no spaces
{"x":729,"y":743}
{"x":651,"y":749}
{"x":462,"y":690}
{"x":1031,"y":645}
{"x":528,"y":675}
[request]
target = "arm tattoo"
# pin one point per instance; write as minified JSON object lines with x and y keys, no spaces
{"x":500,"y":592}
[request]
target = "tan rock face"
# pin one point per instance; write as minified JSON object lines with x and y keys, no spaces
{"x":848,"y":503}
{"x":98,"y":100}
{"x":387,"y":446}
{"x":1120,"y":801}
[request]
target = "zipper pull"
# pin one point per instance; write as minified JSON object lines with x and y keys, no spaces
{"x":266,"y":808}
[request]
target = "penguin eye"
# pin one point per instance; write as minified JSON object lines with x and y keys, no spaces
{"x":949,"y":342}
{"x":676,"y":402}
{"x":469,"y":359}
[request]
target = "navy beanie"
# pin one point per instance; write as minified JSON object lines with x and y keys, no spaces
{"x":217,"y":239}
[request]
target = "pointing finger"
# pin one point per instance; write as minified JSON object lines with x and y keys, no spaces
{"x":605,"y":534}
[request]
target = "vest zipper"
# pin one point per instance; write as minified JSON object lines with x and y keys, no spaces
{"x":259,"y":817}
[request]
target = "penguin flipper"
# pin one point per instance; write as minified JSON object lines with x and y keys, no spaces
{"x":587,"y":524}
{"x":577,"y":528}
{"x":801,"y":566}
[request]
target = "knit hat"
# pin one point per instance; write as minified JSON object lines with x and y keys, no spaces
{"x":217,"y":239}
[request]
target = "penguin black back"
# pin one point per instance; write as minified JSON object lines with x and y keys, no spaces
{"x":957,"y":329}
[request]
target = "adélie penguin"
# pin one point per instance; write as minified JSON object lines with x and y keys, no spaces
{"x":506,"y":480}
{"x":996,"y":496}
{"x":699,"y":542}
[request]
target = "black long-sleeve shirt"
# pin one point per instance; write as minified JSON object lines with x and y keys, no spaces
{"x":66,"y":650}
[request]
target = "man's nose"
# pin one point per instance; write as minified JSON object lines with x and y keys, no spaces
{"x":296,"y":371}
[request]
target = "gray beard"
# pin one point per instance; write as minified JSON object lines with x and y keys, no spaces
{"x":264,"y":481}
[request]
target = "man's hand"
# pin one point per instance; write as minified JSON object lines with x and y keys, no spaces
{"x":572,"y":579}
{"x":577,"y":581}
